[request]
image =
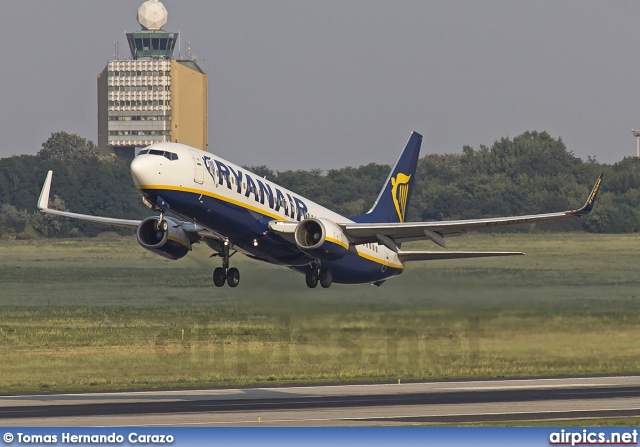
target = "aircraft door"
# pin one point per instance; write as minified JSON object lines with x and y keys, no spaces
{"x":199,"y":168}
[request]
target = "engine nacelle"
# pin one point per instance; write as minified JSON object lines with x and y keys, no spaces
{"x":172,"y":242}
{"x":321,"y":238}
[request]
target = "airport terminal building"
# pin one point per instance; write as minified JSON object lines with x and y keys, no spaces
{"x":152,"y":97}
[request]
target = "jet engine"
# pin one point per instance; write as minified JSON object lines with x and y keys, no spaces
{"x":166,"y":238}
{"x":321,"y":238}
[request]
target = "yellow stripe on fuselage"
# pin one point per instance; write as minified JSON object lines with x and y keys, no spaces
{"x":263,"y":212}
{"x":337,"y":242}
{"x":215,"y":196}
{"x":380,"y":261}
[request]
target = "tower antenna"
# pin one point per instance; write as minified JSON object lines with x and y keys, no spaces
{"x":636,"y":133}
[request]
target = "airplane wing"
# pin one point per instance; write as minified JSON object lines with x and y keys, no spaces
{"x":390,"y":234}
{"x":43,"y":205}
{"x":406,"y":256}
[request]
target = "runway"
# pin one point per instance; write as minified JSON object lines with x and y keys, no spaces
{"x":339,"y":405}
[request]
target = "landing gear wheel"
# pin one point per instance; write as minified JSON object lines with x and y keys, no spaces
{"x":233,"y":277}
{"x":218,"y":277}
{"x":225,"y":274}
{"x":326,"y":278}
{"x":312,"y":278}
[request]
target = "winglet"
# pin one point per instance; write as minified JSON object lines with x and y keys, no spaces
{"x":43,"y":201}
{"x":588,"y":206}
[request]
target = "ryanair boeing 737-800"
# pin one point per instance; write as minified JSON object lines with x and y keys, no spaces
{"x":233,"y":210}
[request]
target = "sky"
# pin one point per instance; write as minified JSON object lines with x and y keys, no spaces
{"x":300,"y":84}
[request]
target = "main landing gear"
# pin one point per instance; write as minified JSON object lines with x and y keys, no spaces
{"x":317,"y":274}
{"x":225,"y":274}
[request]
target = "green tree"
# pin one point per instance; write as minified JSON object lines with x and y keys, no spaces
{"x":88,"y":184}
{"x":66,"y":146}
{"x":531,"y":173}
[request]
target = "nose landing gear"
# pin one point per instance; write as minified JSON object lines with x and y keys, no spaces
{"x":225,"y":274}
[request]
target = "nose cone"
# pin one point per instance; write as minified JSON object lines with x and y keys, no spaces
{"x":143,"y":168}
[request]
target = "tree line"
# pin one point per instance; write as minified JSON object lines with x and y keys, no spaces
{"x":531,"y":173}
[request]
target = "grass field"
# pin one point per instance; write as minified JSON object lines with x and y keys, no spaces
{"x":102,"y":314}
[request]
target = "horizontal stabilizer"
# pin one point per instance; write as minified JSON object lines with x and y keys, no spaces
{"x":406,"y":256}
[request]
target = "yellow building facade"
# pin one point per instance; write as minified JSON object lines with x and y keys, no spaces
{"x":189,"y":107}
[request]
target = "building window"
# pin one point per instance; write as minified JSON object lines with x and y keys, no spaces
{"x":139,"y":117}
{"x":138,"y":132}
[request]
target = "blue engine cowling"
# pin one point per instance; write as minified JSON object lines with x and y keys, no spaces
{"x":171,"y":243}
{"x":321,"y":239}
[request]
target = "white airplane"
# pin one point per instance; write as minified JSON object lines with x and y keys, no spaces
{"x":233,"y":210}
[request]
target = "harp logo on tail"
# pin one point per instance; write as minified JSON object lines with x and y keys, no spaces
{"x":400,"y":193}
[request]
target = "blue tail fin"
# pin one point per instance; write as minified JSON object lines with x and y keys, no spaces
{"x":393,"y":201}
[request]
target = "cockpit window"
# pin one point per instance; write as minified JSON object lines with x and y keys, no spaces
{"x":166,"y":154}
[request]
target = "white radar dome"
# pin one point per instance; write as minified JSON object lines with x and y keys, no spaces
{"x":152,"y":15}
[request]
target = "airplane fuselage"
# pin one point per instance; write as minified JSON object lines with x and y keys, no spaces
{"x":231,"y":209}
{"x":231,"y":201}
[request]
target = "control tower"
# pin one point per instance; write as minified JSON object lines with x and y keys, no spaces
{"x":152,"y":97}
